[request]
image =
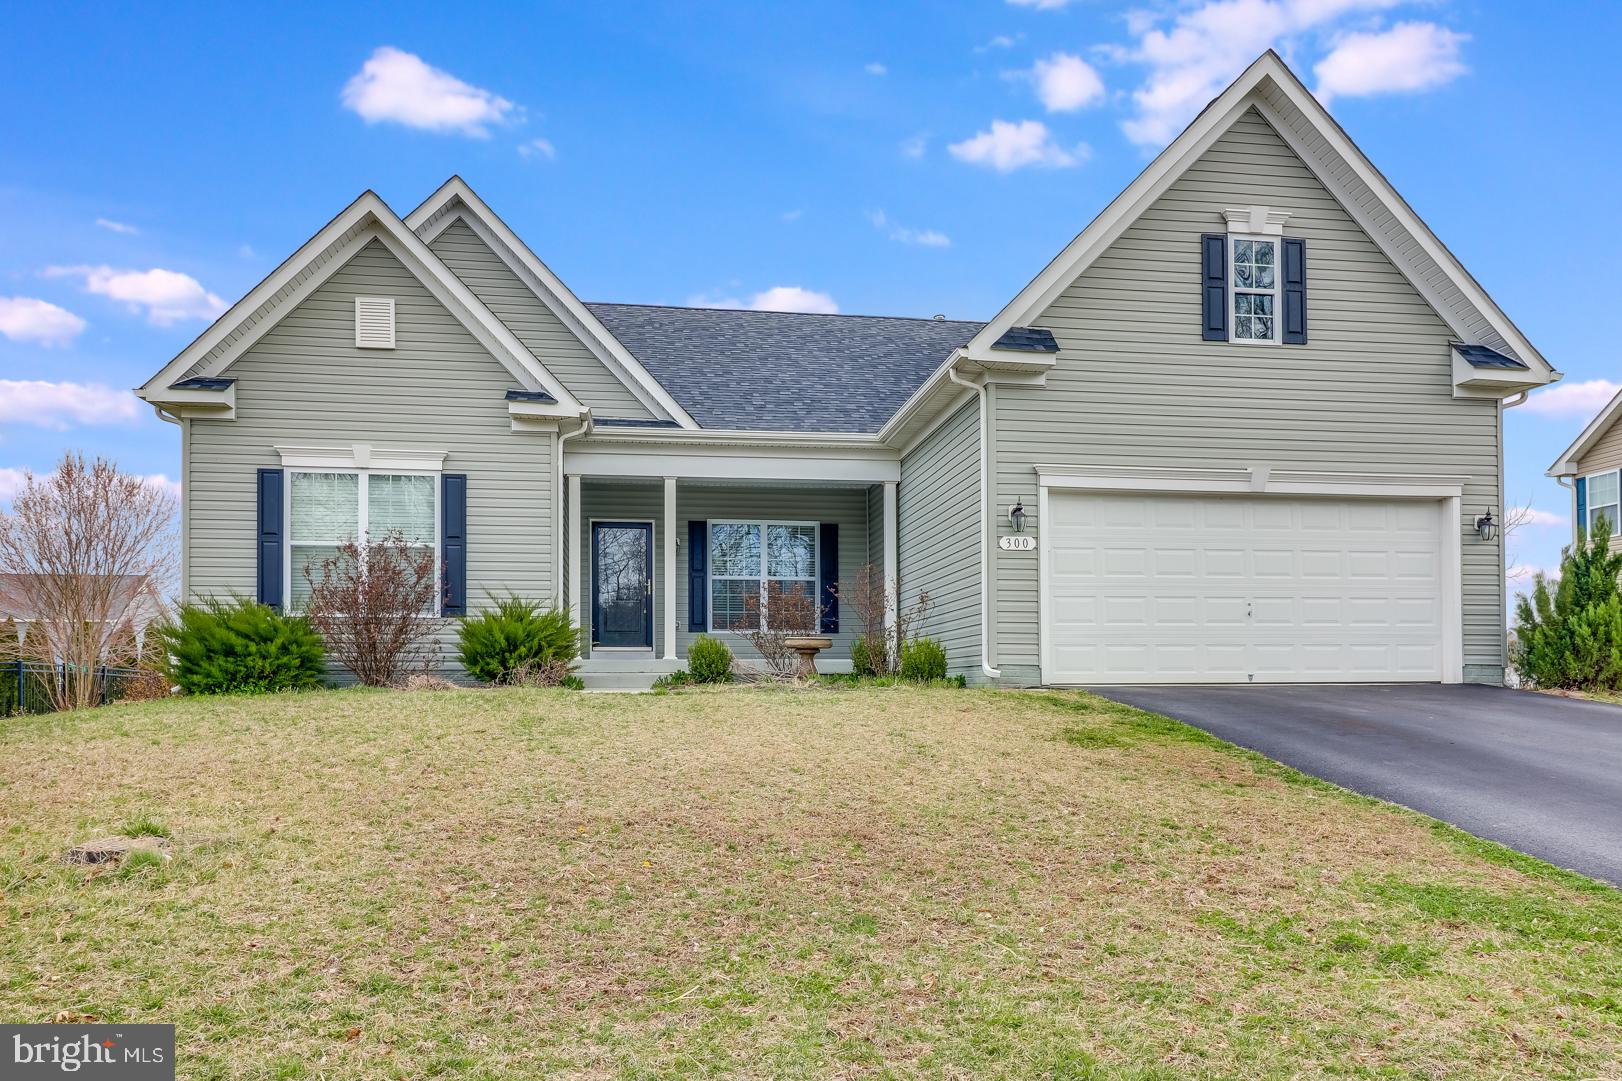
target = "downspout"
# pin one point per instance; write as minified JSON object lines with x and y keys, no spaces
{"x":985,"y":528}
{"x":558,"y":508}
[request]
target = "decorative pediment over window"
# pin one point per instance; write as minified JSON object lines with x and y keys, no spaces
{"x":1256,"y":220}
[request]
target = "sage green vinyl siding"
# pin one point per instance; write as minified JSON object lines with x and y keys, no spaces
{"x":557,"y":347}
{"x":939,"y":535}
{"x":1136,"y":385}
{"x":305,"y":384}
{"x":611,"y":501}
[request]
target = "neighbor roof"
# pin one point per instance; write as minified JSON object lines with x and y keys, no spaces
{"x":784,"y":371}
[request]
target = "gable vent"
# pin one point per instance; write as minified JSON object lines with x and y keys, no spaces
{"x":374,"y":322}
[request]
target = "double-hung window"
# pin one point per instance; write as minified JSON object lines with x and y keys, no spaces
{"x":1603,"y":502}
{"x":1253,"y":289}
{"x":759,"y":560}
{"x":328,"y":508}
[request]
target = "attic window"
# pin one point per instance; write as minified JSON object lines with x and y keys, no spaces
{"x":374,"y":322}
{"x":1254,"y":289}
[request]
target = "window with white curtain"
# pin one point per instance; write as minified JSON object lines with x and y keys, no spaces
{"x":330,"y":509}
{"x":1603,"y":501}
{"x":762,"y":560}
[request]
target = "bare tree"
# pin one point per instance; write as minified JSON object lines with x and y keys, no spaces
{"x":789,"y":613}
{"x":883,"y":631}
{"x":86,"y":555}
{"x":374,"y":603}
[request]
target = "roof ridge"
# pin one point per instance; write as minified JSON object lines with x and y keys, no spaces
{"x":773,"y":311}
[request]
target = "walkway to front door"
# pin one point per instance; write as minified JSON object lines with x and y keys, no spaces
{"x":622,"y":585}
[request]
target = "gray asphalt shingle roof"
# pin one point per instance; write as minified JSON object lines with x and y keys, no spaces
{"x":784,"y":371}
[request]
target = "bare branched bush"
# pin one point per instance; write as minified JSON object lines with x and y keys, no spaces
{"x":375,"y":606}
{"x":86,"y":556}
{"x":868,"y":600}
{"x":789,"y":613}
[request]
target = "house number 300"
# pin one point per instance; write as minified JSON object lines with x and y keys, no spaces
{"x":1017,"y":544}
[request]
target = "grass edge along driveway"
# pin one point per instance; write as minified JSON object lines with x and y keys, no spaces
{"x":786,"y":883}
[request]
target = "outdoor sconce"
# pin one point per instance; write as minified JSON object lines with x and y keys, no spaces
{"x":1016,"y":516}
{"x":1486,"y":527}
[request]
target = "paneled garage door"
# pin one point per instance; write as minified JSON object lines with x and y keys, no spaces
{"x":1155,"y":588}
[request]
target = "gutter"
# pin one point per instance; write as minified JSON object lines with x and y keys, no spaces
{"x":985,"y":527}
{"x":559,"y":525}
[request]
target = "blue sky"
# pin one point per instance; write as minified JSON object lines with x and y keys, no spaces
{"x":894,"y":159}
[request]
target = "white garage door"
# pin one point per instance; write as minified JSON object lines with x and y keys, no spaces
{"x":1156,"y":588}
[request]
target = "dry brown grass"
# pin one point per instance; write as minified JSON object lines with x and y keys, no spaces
{"x":771,"y":882}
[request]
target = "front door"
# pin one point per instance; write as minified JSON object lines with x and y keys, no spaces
{"x":622,"y":585}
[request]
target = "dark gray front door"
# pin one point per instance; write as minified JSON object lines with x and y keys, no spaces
{"x":622,"y":584}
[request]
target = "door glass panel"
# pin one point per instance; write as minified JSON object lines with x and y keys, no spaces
{"x":621,"y":577}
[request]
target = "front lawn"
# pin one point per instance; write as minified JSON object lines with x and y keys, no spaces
{"x":812,"y":883}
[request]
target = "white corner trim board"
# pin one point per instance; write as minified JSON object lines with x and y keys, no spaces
{"x":363,"y":456}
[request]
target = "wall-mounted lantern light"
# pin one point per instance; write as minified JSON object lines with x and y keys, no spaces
{"x":1016,"y":516}
{"x":1486,"y":527}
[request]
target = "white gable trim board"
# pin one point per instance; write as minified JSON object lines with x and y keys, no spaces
{"x":1245,"y":576}
{"x":456,"y":201}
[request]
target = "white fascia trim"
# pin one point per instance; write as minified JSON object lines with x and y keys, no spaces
{"x":363,"y":456}
{"x":183,"y":402}
{"x":701,"y":463}
{"x":1566,"y":464}
{"x":726,"y":439}
{"x":548,"y":288}
{"x":1255,"y":480}
{"x":1170,"y":164}
{"x":948,"y":411}
{"x":374,"y":220}
{"x":915,"y":402}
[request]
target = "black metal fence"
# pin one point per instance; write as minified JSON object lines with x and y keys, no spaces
{"x":28,"y":687}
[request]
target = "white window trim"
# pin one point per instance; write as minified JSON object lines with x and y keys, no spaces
{"x":1615,"y":517}
{"x":363,"y":512}
{"x":764,"y":523}
{"x":1277,"y":292}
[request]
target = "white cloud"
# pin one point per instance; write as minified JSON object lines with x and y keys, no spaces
{"x":538,"y":147}
{"x":1042,"y":5}
{"x":1065,"y":83}
{"x":1408,"y":57}
{"x":117,"y":226}
{"x":59,"y":405}
{"x":1565,"y":400}
{"x":398,"y":86}
{"x":924,"y":238}
{"x":25,"y":319}
{"x":1001,"y":41}
{"x":1533,"y":517}
{"x":161,"y":480}
{"x":1193,"y":52}
{"x":167,"y":296}
{"x":12,"y":480}
{"x":876,"y":68}
{"x":791,"y":215}
{"x":1008,"y":146}
{"x":914,"y":146}
{"x":779,"y":298}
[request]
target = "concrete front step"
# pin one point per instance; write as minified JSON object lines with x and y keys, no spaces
{"x":613,"y":673}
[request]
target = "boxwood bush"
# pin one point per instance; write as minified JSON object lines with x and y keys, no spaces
{"x":709,"y":660}
{"x":516,"y":637}
{"x":239,"y":646}
{"x":923,"y":661}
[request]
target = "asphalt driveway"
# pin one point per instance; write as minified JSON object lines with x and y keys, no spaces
{"x":1534,"y":772}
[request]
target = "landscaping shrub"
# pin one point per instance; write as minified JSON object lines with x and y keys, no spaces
{"x":1569,"y":636}
{"x":240,"y":647}
{"x":376,"y":607}
{"x":923,"y":661}
{"x":709,"y":660}
{"x":861,"y":660}
{"x":517,"y":638}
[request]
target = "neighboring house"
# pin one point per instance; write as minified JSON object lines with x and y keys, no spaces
{"x":1592,"y":469}
{"x":132,"y":600}
{"x":1251,"y":415}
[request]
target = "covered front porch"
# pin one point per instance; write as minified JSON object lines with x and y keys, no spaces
{"x":654,"y":561}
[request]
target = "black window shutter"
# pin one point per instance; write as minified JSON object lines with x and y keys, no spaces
{"x":1295,"y":291}
{"x":270,"y":537}
{"x":453,"y":543}
{"x":698,"y":586}
{"x":829,"y":577}
{"x":1214,"y":286}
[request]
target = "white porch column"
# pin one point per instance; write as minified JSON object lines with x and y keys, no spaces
{"x":892,"y":560}
{"x":670,"y":569}
{"x":572,"y":524}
